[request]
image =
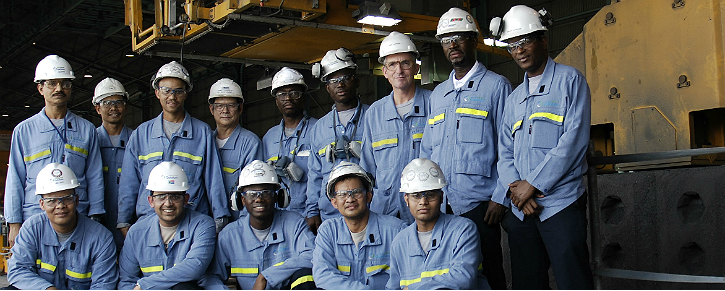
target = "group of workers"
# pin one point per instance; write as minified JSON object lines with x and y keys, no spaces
{"x":410,"y":192}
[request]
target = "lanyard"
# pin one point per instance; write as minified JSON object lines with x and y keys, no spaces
{"x":297,"y":142}
{"x":65,"y":127}
{"x":355,"y":120}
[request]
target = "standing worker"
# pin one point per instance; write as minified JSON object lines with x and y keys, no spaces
{"x":109,"y":99}
{"x":268,"y":248}
{"x":542,"y":145}
{"x":54,"y":135}
{"x":438,"y":251}
{"x":237,"y":145}
{"x":461,"y":136}
{"x":353,"y":251}
{"x":171,"y":248}
{"x":287,"y":145}
{"x":337,"y":136}
{"x":172,"y":136}
{"x":60,"y":249}
{"x":394,"y":125}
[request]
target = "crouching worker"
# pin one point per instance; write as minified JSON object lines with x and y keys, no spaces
{"x":171,"y":249}
{"x":353,"y":251}
{"x":268,"y":248}
{"x":60,"y":249}
{"x":438,"y":251}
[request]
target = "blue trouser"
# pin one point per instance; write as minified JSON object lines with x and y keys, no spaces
{"x":490,"y":246}
{"x":560,"y":241}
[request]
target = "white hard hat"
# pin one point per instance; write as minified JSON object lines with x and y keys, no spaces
{"x":343,"y":170}
{"x":420,"y":175}
{"x":287,"y":76}
{"x":55,"y":177}
{"x":456,"y":20}
{"x":53,"y":67}
{"x":519,"y":20}
{"x":333,"y":61}
{"x":168,"y":177}
{"x":258,"y":172}
{"x":172,"y":70}
{"x":225,"y":87}
{"x":108,"y":87}
{"x":394,"y":43}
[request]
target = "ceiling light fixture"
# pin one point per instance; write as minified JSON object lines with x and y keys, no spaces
{"x":494,"y":42}
{"x":372,"y":13}
{"x":87,"y":74}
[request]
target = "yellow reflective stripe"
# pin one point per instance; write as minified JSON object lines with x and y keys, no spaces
{"x":229,"y":170}
{"x":300,"y":280}
{"x":480,"y":266}
{"x":119,"y":170}
{"x":417,"y":135}
{"x":278,"y":264}
{"x":343,"y":268}
{"x":77,"y":149}
{"x":554,"y":117}
{"x":385,"y":141}
{"x":426,"y":274}
{"x":105,"y":168}
{"x":35,"y":156}
{"x":44,"y":265}
{"x":437,"y":118}
{"x":152,"y":269}
{"x":273,"y":159}
{"x":151,"y":155}
{"x":516,"y":126}
{"x":378,"y":267}
{"x":78,"y":275}
{"x":245,"y":271}
{"x":472,"y":111}
{"x":188,"y":156}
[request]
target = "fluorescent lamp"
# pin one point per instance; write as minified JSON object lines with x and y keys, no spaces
{"x":379,"y":20}
{"x":492,"y":42}
{"x":372,"y":13}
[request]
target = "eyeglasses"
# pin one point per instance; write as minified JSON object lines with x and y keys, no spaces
{"x":291,"y":95}
{"x":64,"y":84}
{"x":229,"y":106}
{"x":53,"y":202}
{"x":356,"y":193}
{"x":173,"y":197}
{"x":168,"y":91}
{"x":342,"y":79}
{"x":429,"y":195}
{"x":405,"y":65}
{"x":111,"y":103}
{"x":514,"y":46}
{"x":254,"y":194}
{"x":458,"y":39}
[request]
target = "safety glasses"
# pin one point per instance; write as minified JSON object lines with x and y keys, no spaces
{"x":53,"y":202}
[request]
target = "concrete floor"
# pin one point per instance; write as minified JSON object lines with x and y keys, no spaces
{"x":3,"y":281}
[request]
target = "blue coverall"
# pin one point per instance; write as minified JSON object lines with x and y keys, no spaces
{"x":36,"y":143}
{"x":319,"y":168}
{"x":297,"y":148}
{"x":452,"y":260}
{"x":192,"y":147}
{"x":390,"y":142}
{"x":145,"y":261}
{"x":112,"y":161}
{"x":288,"y":248}
{"x":87,"y":260}
{"x":242,"y":147}
{"x":338,"y":264}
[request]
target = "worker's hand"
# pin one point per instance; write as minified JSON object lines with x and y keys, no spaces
{"x":521,"y":191}
{"x":405,"y":288}
{"x":495,"y":213}
{"x":13,"y":232}
{"x":137,"y":287}
{"x":314,"y":223}
{"x":124,"y":231}
{"x":51,"y":288}
{"x":260,"y":283}
{"x":532,"y":208}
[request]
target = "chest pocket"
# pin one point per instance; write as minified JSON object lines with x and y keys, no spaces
{"x":190,"y":162}
{"x":78,"y":272}
{"x":471,"y":118}
{"x":384,"y":146}
{"x":436,"y":124}
{"x":76,"y":156}
{"x":546,"y":128}
{"x":35,"y":161}
{"x":378,"y":273}
{"x":344,"y":267}
{"x":46,"y":268}
{"x":245,"y":270}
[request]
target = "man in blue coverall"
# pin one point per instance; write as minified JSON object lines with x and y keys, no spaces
{"x":172,"y":136}
{"x":288,"y":142}
{"x":337,"y":136}
{"x":461,"y":136}
{"x":54,"y":135}
{"x":109,"y":99}
{"x":237,"y":145}
{"x":353,"y":251}
{"x":394,"y":125}
{"x":268,"y":248}
{"x":172,"y":248}
{"x":61,"y":249}
{"x":542,"y":144}
{"x":438,"y":251}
